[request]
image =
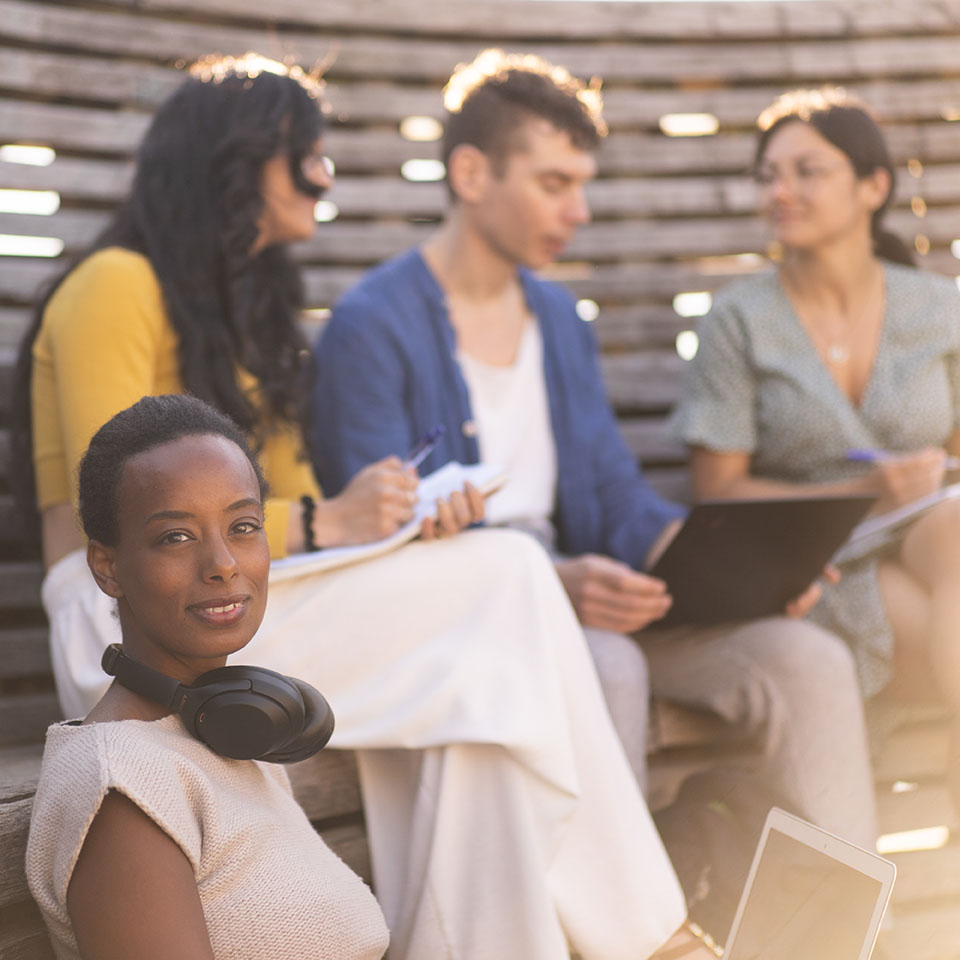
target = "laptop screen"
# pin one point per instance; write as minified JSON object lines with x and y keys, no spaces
{"x":803,"y":903}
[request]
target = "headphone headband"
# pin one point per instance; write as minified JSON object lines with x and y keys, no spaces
{"x":141,"y":679}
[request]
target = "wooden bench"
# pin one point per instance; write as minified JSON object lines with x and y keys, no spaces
{"x":911,"y":756}
{"x":671,"y":215}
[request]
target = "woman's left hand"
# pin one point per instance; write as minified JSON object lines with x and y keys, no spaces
{"x":800,"y":606}
{"x":464,"y":508}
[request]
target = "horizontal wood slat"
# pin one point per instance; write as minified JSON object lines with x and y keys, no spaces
{"x":914,"y":752}
{"x":350,"y":242}
{"x":922,"y":934}
{"x":107,"y":182}
{"x":607,"y":284}
{"x":928,"y":806}
{"x":432,"y":59}
{"x":326,"y":785}
{"x":502,"y":18}
{"x":670,"y":215}
{"x":13,"y":817}
{"x":24,"y":652}
{"x":23,"y":935}
{"x":24,"y":718}
{"x":144,"y":86}
{"x":928,"y":874}
{"x":20,"y":586}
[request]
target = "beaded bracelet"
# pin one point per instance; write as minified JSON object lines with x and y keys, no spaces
{"x":309,"y":508}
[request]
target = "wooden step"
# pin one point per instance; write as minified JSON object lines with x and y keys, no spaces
{"x":23,"y":935}
{"x":20,"y":585}
{"x":930,"y":805}
{"x":24,"y":651}
{"x":928,"y":933}
{"x":24,"y":717}
{"x":924,"y":875}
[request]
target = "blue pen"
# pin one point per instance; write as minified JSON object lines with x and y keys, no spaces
{"x":424,"y":448}
{"x":874,"y":456}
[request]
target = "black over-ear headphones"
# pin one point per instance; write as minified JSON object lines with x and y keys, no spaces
{"x":247,"y":713}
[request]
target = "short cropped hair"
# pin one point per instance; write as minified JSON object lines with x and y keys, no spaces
{"x":488,"y":101}
{"x":151,"y":422}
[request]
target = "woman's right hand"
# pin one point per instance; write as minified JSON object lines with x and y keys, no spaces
{"x":906,"y":477}
{"x":374,"y":504}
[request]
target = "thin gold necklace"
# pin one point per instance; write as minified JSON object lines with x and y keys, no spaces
{"x":836,"y":345}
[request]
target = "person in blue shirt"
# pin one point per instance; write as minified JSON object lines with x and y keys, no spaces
{"x":461,"y":333}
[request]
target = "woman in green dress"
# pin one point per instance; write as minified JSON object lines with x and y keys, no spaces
{"x":844,"y":347}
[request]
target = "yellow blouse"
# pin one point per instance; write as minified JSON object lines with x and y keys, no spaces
{"x":104,"y":343}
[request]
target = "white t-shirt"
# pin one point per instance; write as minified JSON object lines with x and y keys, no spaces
{"x":512,"y":419}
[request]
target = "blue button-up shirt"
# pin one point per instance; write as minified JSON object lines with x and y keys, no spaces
{"x":388,"y":374}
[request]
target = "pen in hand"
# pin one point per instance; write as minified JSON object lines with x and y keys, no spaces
{"x":424,"y":448}
{"x":875,"y":456}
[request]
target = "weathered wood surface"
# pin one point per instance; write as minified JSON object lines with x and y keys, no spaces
{"x":502,"y":18}
{"x":670,"y":215}
{"x":85,"y":80}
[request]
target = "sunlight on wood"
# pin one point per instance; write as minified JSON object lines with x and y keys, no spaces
{"x":927,"y":838}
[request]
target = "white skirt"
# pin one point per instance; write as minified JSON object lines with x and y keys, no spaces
{"x":503,"y":817}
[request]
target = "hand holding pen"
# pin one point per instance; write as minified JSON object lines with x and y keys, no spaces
{"x":870,"y":455}
{"x":377,"y":501}
{"x":424,"y":448}
{"x":901,"y":478}
{"x":463,"y":508}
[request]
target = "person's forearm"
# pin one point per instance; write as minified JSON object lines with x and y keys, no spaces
{"x":327,"y":526}
{"x":747,"y":487}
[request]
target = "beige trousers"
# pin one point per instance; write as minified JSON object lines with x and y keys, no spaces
{"x":785,"y":688}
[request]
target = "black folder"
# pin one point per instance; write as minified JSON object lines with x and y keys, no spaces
{"x":742,"y":559}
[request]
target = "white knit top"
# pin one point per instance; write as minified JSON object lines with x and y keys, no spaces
{"x":287,"y":897}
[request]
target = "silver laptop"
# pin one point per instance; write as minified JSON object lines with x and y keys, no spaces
{"x":809,"y":895}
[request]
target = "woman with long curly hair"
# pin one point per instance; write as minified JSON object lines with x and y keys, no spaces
{"x":503,"y":817}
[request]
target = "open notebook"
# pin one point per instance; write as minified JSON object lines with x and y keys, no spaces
{"x":437,"y":485}
{"x":876,"y":532}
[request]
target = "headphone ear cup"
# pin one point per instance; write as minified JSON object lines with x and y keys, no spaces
{"x":244,"y":712}
{"x":318,"y":723}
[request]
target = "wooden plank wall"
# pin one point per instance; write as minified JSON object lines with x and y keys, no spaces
{"x":670,"y":215}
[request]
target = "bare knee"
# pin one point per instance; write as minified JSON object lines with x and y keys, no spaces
{"x":931,"y":548}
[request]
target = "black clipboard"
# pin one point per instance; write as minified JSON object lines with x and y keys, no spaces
{"x":743,"y":559}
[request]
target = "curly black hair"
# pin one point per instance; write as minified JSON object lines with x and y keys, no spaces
{"x":193,"y":212}
{"x":151,"y":422}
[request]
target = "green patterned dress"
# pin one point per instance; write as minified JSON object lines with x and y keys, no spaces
{"x":758,"y":385}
